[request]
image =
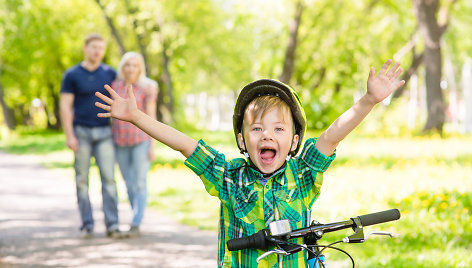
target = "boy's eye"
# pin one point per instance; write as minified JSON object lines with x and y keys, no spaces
{"x":279,"y":129}
{"x":256,"y":129}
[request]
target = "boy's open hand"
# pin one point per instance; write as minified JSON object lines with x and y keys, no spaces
{"x":118,"y":107}
{"x":381,"y":86}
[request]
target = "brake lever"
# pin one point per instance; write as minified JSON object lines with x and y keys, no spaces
{"x":379,"y":233}
{"x":274,"y":251}
{"x":359,"y":236}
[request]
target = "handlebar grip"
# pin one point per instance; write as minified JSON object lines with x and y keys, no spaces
{"x":380,"y":217}
{"x":256,"y":240}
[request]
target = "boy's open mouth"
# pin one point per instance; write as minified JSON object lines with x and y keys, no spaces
{"x":267,"y":154}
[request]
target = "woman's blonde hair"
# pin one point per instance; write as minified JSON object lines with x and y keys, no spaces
{"x":143,"y":80}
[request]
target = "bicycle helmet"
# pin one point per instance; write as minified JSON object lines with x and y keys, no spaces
{"x":269,"y":87}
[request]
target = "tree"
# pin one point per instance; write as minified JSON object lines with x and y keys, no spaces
{"x":289,"y":60}
{"x":431,"y":29}
{"x":8,"y":113}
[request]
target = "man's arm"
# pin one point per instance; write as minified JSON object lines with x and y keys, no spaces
{"x":378,"y":88}
{"x":126,"y":109}
{"x":67,"y":118}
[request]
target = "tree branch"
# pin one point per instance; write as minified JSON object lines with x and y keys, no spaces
{"x":113,"y":30}
{"x":140,"y":37}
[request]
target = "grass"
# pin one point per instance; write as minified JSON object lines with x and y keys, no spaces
{"x":427,"y":178}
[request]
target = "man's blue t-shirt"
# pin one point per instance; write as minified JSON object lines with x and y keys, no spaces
{"x":83,"y":84}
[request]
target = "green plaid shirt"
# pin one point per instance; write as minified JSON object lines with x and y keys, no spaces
{"x":247,"y":206}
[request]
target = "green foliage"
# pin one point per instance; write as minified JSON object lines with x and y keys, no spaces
{"x":215,"y":46}
{"x":434,"y":219}
{"x":27,"y":141}
{"x":40,"y":42}
{"x":338,"y":46}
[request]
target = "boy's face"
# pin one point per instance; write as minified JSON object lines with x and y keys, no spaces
{"x":268,"y":139}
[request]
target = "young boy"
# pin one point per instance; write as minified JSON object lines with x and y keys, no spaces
{"x":269,"y":124}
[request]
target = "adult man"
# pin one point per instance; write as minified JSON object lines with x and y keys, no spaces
{"x":88,"y":135}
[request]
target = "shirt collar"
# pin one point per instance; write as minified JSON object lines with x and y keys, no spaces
{"x":254,"y":174}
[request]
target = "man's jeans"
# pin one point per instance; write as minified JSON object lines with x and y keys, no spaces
{"x":96,"y":142}
{"x":134,"y":165}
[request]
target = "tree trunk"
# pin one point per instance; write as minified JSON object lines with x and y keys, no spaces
{"x":467,"y":89}
{"x":8,"y":113}
{"x":113,"y":30}
{"x":54,"y":122}
{"x":425,"y":11}
{"x":167,"y":107}
{"x":289,"y":61}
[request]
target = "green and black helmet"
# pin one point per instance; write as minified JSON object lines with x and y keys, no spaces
{"x":270,"y":87}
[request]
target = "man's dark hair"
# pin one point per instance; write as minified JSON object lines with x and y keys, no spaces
{"x":92,"y":37}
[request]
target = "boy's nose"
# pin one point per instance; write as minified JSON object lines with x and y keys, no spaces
{"x":267,"y":135}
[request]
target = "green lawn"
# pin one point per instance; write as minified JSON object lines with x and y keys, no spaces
{"x":429,"y":179}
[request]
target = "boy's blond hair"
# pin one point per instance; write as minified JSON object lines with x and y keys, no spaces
{"x":259,"y":106}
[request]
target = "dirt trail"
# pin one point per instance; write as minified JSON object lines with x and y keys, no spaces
{"x":39,"y":227}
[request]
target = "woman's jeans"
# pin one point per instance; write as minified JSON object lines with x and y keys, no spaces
{"x":96,"y":142}
{"x":134,"y":165}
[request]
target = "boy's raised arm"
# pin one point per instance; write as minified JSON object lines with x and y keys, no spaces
{"x":127,"y":110}
{"x":378,"y":88}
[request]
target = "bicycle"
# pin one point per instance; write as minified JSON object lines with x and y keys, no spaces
{"x":279,"y":233}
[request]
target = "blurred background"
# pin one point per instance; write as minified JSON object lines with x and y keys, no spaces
{"x":413,"y":151}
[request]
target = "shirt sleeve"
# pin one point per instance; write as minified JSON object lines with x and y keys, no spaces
{"x":314,"y":158}
{"x":151,"y":91}
{"x":67,"y":85}
{"x":210,"y":165}
{"x":312,"y":164}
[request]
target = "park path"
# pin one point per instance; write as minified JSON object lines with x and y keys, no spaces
{"x":39,"y":227}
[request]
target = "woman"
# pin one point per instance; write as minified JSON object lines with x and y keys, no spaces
{"x":134,"y":148}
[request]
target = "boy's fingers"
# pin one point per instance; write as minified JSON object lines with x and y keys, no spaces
{"x":103,"y":106}
{"x":105,"y":115}
{"x":399,"y":84}
{"x":104,"y":98}
{"x":397,"y":74}
{"x":384,"y":68}
{"x":392,"y":72}
{"x":112,"y":92}
{"x":371,"y":73}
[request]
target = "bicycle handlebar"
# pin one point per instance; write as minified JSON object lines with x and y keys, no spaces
{"x":259,"y":239}
{"x":380,"y":217}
